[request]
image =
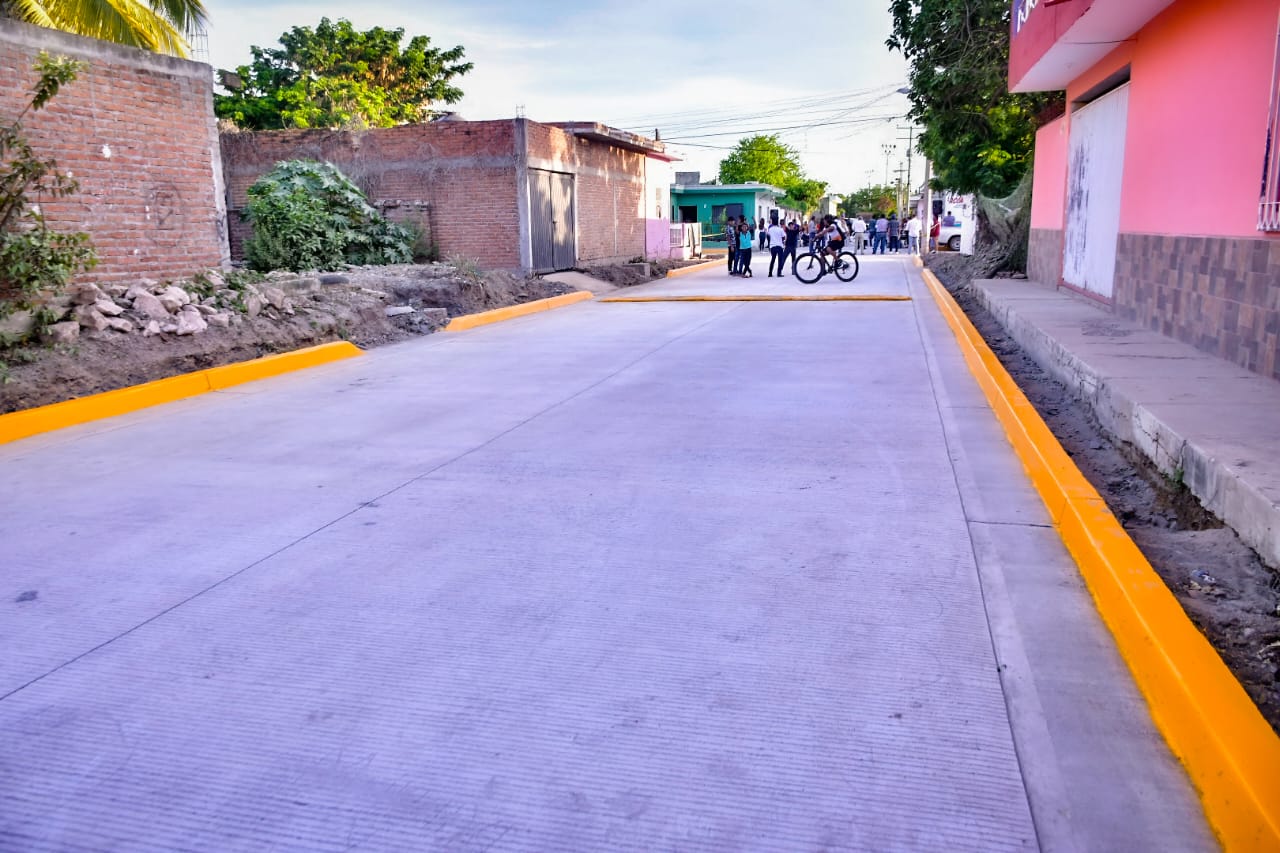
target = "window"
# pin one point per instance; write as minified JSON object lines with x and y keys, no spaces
{"x":1269,"y":203}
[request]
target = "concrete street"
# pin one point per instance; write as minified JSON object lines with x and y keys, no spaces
{"x":649,"y":576}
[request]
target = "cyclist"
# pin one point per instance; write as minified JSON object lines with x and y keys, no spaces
{"x":834,"y":235}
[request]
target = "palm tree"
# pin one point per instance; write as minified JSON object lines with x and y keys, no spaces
{"x":156,"y":25}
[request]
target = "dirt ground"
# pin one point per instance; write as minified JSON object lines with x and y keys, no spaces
{"x":352,"y":304}
{"x":629,"y":275}
{"x":1221,"y":583}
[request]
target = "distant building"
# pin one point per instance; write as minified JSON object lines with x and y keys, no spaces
{"x":713,"y":204}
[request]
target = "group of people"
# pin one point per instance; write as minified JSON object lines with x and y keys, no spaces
{"x":879,"y":234}
{"x":885,"y":234}
{"x":782,"y":241}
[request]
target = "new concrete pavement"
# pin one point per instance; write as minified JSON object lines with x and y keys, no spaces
{"x":646,"y":576}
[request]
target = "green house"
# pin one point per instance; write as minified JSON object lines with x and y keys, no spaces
{"x":713,"y":204}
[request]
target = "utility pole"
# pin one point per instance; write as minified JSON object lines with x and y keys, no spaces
{"x":898,"y":201}
{"x":911,"y":150}
{"x":888,"y":148}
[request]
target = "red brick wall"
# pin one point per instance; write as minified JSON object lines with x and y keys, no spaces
{"x":456,"y":180}
{"x":609,"y":191}
{"x":152,"y":208}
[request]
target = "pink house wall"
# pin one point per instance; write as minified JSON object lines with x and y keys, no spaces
{"x":1049,"y":183}
{"x":1198,"y":106}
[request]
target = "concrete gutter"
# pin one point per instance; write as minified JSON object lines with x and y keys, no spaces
{"x":510,"y":312}
{"x":111,"y":403}
{"x":1229,"y":751}
{"x":1201,"y":420}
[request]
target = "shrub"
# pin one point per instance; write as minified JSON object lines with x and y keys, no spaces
{"x":35,"y":261}
{"x":309,"y":216}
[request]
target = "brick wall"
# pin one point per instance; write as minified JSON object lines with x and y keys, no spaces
{"x":137,"y":131}
{"x":1221,"y":295}
{"x":608,"y":188}
{"x":1044,"y":256}
{"x":456,"y":180}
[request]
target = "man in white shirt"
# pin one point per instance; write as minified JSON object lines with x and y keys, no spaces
{"x":777,"y":247}
{"x":859,"y":234}
{"x":913,"y":232}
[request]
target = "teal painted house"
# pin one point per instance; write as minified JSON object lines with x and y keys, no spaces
{"x":712,"y":204}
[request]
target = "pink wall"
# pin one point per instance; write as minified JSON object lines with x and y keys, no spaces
{"x":1044,"y":26}
{"x":1049,"y":183}
{"x":1198,"y":104}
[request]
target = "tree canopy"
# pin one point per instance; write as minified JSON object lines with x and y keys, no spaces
{"x":979,"y":136}
{"x":337,"y":76}
{"x":769,"y":160}
{"x":160,"y":26}
{"x":876,"y":199}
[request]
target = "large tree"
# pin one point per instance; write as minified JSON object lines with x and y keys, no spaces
{"x":769,"y":160}
{"x":761,"y":158}
{"x":979,"y":136}
{"x":156,"y":25}
{"x":337,"y":76}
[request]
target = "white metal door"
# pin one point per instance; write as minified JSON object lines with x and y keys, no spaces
{"x":1096,"y":167}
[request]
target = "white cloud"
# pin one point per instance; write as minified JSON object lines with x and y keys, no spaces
{"x":636,"y":64}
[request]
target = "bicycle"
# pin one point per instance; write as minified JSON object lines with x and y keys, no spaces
{"x":814,"y":264}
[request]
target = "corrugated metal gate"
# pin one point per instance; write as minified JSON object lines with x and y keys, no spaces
{"x":1096,"y":158}
{"x":551,"y":225}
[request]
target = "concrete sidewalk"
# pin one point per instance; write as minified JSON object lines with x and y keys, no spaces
{"x":645,"y":576}
{"x":1204,"y":420}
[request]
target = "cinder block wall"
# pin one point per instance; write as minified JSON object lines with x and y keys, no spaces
{"x":137,"y":131}
{"x":608,"y":186}
{"x":457,"y":180}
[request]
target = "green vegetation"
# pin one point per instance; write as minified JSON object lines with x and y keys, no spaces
{"x":158,"y":25}
{"x":878,"y":199}
{"x":336,"y":76}
{"x":770,"y":161}
{"x":36,"y":262}
{"x":309,"y":216}
{"x":979,"y":136}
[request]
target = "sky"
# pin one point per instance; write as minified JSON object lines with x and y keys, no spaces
{"x":703,"y":77}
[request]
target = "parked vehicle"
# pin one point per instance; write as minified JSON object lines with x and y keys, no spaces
{"x":949,"y":236}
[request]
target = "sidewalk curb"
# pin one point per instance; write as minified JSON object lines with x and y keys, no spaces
{"x":28,"y":422}
{"x":510,"y":312}
{"x":692,"y":268}
{"x":1208,"y":720}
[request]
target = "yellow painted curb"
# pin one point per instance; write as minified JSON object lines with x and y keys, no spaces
{"x":705,"y":265}
{"x":1230,"y":752}
{"x":759,"y":297}
{"x":510,"y":312}
{"x":111,"y":403}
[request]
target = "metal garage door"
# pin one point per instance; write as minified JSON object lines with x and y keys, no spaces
{"x":551,"y":225}
{"x":1096,"y":166}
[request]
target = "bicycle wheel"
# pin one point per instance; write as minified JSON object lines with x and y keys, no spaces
{"x":846,"y":266}
{"x":809,"y":268}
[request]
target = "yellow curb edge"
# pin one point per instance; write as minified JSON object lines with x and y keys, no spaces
{"x":1229,"y":751}
{"x":679,"y":271}
{"x":28,"y":422}
{"x":760,"y":297}
{"x":510,"y":312}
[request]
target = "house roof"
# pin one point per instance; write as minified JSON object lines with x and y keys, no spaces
{"x":1053,"y":42}
{"x":613,"y":136}
{"x":729,"y":188}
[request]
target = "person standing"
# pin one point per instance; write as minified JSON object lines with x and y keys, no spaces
{"x":895,"y":231}
{"x":935,"y":231}
{"x":859,"y":228}
{"x":882,"y":234}
{"x":744,"y":250}
{"x":913,"y":234}
{"x":731,"y":243}
{"x":762,"y":231}
{"x":793,"y":240}
{"x":776,"y":239}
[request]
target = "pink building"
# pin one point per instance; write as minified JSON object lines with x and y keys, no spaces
{"x":1158,"y":192}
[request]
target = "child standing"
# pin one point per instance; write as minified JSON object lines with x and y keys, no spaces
{"x":744,"y":250}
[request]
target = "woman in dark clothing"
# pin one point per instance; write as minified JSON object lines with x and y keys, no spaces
{"x":793,"y":240}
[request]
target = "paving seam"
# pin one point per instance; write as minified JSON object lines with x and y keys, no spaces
{"x":761,"y":297}
{"x":364,"y":504}
{"x":1047,"y":808}
{"x":1230,"y":753}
